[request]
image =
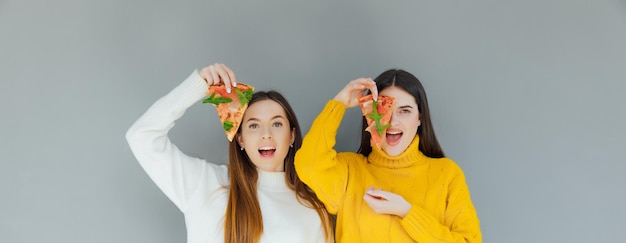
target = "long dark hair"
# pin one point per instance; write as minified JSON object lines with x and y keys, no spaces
{"x":243,"y":220}
{"x":428,"y":143}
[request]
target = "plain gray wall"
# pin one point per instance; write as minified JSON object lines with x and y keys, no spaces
{"x":527,"y":97}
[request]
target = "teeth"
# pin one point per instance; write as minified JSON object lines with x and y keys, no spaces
{"x":267,"y":148}
{"x":393,"y":133}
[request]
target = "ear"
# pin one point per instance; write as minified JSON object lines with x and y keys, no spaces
{"x":239,"y":140}
{"x":293,"y":136}
{"x":419,"y":120}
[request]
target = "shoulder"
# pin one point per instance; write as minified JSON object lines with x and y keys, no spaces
{"x":219,"y":168}
{"x":446,"y":166}
{"x":350,"y":157}
{"x":218,"y":172}
{"x":354,"y":161}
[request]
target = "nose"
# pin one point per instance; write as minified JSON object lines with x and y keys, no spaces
{"x":393,"y":120}
{"x":267,"y":133}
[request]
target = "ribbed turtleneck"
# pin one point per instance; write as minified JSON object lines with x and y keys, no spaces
{"x":409,"y":157}
{"x":441,"y":211}
{"x":272,"y":181}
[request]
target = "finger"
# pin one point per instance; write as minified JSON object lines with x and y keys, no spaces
{"x":214,"y":76}
{"x":204,"y":74}
{"x":357,"y":89}
{"x":221,"y":71}
{"x":370,"y":200}
{"x":374,"y":204}
{"x":377,"y":195}
{"x":371,"y":85}
{"x":231,"y":75}
{"x":362,"y":82}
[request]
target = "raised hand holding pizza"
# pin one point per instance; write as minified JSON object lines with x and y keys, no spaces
{"x":355,"y":89}
{"x":230,"y":105}
{"x":217,"y":74}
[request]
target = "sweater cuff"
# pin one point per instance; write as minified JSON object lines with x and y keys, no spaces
{"x":418,"y":221}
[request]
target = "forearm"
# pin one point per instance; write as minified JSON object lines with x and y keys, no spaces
{"x":460,"y":221}
{"x":175,"y":173}
{"x":422,"y":226}
{"x":316,"y":161}
{"x":149,"y":134}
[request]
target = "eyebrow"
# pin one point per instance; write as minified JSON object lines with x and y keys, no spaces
{"x":406,"y":106}
{"x":257,"y":119}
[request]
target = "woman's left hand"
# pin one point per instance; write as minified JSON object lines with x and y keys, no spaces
{"x":354,"y":90}
{"x":383,"y":202}
{"x":217,"y":74}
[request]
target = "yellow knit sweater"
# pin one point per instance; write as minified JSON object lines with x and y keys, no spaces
{"x":442,"y":210}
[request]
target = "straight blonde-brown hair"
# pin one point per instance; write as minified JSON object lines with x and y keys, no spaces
{"x":243,"y":219}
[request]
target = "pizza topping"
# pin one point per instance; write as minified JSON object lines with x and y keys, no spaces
{"x":216,"y":100}
{"x":244,"y":97}
{"x":228,"y":125}
{"x":230,"y":106}
{"x":374,"y":115}
{"x":378,"y":116}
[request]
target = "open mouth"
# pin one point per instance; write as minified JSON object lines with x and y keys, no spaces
{"x":267,"y":152}
{"x":393,"y":137}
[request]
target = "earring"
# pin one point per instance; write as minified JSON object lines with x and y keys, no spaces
{"x":241,"y":148}
{"x":291,"y":145}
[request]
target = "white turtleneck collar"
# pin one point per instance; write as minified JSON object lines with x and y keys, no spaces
{"x":273,"y":181}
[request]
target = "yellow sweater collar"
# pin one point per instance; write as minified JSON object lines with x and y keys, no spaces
{"x":412,"y":155}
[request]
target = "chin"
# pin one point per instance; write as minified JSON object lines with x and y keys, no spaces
{"x":394,"y":153}
{"x":391,"y":151}
{"x":396,"y":150}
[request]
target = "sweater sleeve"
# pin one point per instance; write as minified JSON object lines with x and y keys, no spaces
{"x":316,"y":161}
{"x":179,"y":176}
{"x":461,"y":222}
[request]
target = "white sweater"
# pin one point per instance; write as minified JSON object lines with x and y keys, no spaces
{"x":199,"y":188}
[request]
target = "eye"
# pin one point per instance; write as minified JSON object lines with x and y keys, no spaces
{"x":253,"y":126}
{"x":405,"y":111}
{"x":277,"y":124}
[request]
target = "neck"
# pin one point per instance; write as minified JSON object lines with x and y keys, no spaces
{"x":410,"y":156}
{"x":274,"y":181}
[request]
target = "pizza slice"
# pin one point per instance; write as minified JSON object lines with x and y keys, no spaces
{"x":230,"y":106}
{"x":378,"y":115}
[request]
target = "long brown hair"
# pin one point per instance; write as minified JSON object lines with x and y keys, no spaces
{"x":428,"y":144}
{"x":243,"y":219}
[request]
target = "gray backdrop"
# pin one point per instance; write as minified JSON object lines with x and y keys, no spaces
{"x":527,"y":97}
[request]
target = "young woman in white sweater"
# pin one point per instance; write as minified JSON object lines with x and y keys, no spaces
{"x":258,"y":197}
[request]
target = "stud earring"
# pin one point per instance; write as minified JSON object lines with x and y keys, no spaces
{"x":291,"y":145}
{"x":241,"y":148}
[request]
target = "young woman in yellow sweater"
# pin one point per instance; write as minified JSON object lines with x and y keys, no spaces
{"x":404,"y":191}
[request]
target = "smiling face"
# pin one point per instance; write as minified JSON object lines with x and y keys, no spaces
{"x":405,"y":120}
{"x":266,"y":135}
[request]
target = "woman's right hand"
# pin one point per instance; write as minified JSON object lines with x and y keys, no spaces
{"x":354,"y":90}
{"x":217,"y":74}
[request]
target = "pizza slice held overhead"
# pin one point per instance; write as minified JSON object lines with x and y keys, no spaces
{"x":378,"y":116}
{"x":230,"y":106}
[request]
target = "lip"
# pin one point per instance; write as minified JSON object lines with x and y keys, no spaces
{"x":267,"y":155}
{"x":396,"y":140}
